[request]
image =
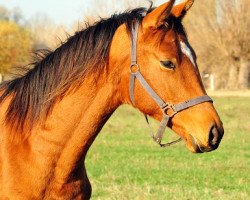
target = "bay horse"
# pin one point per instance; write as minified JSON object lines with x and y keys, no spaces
{"x":50,"y":116}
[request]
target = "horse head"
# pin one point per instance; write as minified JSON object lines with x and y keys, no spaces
{"x":167,"y":62}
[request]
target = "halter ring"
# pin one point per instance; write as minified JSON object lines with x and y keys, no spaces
{"x":134,"y":68}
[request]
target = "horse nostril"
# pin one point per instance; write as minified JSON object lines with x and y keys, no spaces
{"x":213,"y":136}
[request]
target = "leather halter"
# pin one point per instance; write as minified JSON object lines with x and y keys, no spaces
{"x":168,"y":109}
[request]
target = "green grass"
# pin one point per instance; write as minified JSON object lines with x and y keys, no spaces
{"x":124,"y":163}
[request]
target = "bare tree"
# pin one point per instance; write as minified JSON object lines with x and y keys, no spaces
{"x":4,"y":14}
{"x":222,"y":44}
{"x":45,"y":32}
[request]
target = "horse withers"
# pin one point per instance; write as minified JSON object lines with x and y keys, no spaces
{"x":51,"y":115}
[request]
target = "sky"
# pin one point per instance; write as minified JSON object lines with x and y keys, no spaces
{"x":66,"y":12}
{"x":59,"y":11}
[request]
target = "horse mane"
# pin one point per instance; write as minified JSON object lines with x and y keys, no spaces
{"x":54,"y":74}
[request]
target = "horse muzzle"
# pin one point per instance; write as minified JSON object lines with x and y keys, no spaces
{"x":214,"y":137}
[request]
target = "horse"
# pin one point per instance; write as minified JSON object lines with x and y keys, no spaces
{"x":51,"y":115}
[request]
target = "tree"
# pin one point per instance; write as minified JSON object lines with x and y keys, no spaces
{"x":15,"y":45}
{"x":46,"y":34}
{"x":222,"y":44}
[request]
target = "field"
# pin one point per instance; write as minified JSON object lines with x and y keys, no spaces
{"x":124,"y":163}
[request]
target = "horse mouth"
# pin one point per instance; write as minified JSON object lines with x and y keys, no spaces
{"x":196,"y":146}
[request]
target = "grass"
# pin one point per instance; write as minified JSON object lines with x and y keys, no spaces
{"x":124,"y":163}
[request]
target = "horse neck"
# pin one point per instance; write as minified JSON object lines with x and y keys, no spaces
{"x":73,"y":125}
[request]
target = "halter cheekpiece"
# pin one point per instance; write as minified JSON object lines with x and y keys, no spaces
{"x":168,"y":109}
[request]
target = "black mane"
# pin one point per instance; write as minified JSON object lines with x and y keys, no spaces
{"x":34,"y":94}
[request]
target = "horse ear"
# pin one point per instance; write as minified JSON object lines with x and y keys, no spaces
{"x":180,"y":9}
{"x":157,"y":16}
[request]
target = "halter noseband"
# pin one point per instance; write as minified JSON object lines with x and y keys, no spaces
{"x":168,"y":109}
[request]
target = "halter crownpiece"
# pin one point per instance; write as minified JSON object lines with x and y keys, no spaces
{"x":168,"y":109}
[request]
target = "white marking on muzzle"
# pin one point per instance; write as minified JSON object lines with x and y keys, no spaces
{"x":187,"y":51}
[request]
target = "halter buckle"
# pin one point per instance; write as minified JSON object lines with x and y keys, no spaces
{"x":169,"y":110}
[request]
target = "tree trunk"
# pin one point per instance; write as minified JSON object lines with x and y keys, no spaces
{"x":243,"y":77}
{"x":232,"y":79}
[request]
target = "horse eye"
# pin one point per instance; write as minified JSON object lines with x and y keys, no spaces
{"x":168,"y":64}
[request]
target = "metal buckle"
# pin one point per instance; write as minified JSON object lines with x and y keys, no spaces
{"x":169,"y":110}
{"x":134,"y":68}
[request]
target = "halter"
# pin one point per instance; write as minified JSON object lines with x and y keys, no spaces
{"x":168,"y":109}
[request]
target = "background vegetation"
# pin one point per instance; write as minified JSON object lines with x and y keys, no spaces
{"x":16,"y":41}
{"x":124,"y":163}
{"x":220,"y":35}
